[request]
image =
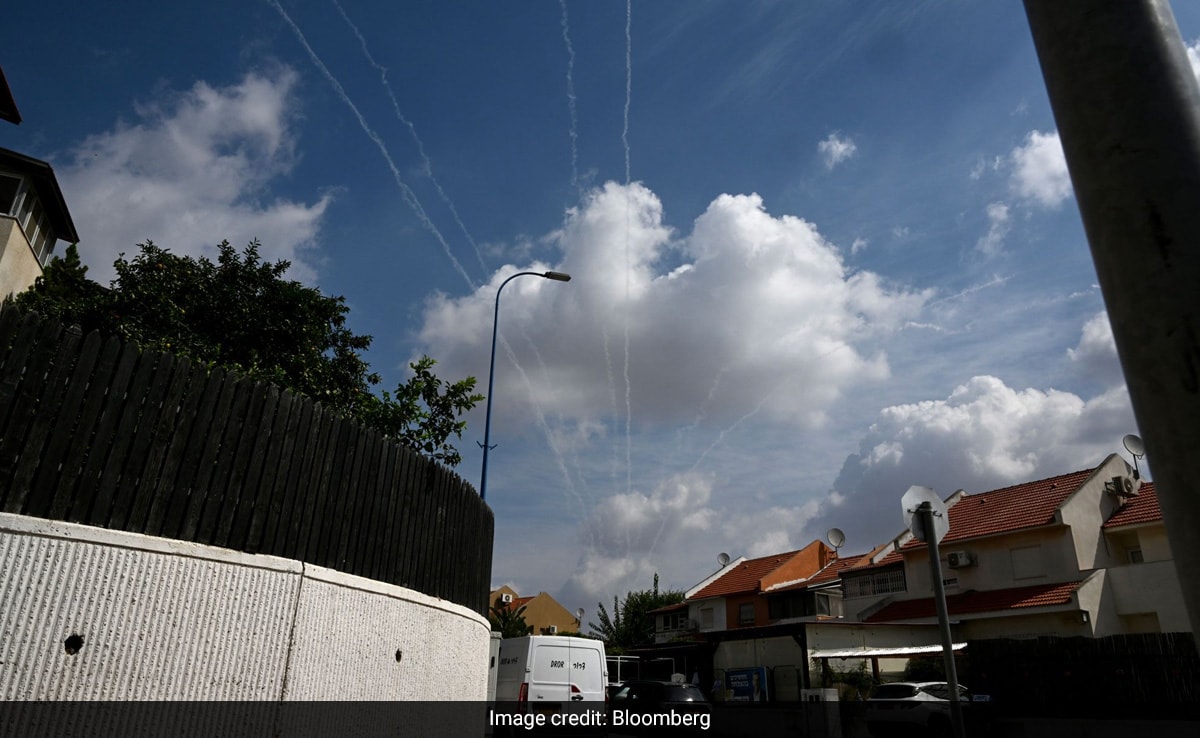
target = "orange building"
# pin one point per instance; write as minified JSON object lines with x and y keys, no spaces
{"x":542,"y":612}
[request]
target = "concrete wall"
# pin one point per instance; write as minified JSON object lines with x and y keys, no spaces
{"x":92,"y":614}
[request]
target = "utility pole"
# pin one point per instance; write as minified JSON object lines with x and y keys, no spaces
{"x":1128,"y":112}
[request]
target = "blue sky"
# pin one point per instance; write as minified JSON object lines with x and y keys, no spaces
{"x":821,"y":251}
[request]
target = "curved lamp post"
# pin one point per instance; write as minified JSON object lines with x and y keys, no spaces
{"x":487,"y":426}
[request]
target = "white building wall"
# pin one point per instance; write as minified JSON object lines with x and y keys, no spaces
{"x":1150,"y":588}
{"x":162,"y":619}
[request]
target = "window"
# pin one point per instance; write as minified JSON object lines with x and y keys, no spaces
{"x":706,"y":617}
{"x":674,"y":621}
{"x":883,"y":582}
{"x":1026,"y":562}
{"x":1135,"y":556}
{"x":746,"y":613}
{"x":10,"y":188}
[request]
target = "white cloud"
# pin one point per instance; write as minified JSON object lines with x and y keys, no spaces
{"x":984,"y":435}
{"x":858,"y":245}
{"x":749,"y":311}
{"x":189,"y":173}
{"x":675,"y":531}
{"x":836,"y":149}
{"x":1096,"y":353}
{"x":1040,"y":169}
{"x":1193,"y":55}
{"x":993,"y":241}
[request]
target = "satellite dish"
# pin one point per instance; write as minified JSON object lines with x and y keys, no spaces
{"x":1133,"y":444}
{"x":836,"y":538}
{"x":722,"y":558}
{"x":579,"y":614}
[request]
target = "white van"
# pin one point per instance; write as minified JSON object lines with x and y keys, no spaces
{"x":551,"y":669}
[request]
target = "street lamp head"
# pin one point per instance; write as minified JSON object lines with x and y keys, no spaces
{"x":558,"y":276}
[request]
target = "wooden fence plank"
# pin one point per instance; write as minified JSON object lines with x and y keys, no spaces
{"x":24,"y":384}
{"x":172,"y":488}
{"x":287,"y":500}
{"x":242,"y":482}
{"x":256,"y":491}
{"x":187,"y":495}
{"x":127,"y":412}
{"x":219,"y":457}
{"x":155,"y":437}
{"x":71,"y":497}
{"x":14,"y":366}
{"x":375,"y":541}
{"x":47,"y":427}
{"x":352,"y":500}
{"x":302,"y":544}
{"x":332,"y":508}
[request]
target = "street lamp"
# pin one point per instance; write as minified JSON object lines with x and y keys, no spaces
{"x":487,"y":425}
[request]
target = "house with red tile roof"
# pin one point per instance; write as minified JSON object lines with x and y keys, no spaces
{"x":1068,"y":555}
{"x":734,"y":596}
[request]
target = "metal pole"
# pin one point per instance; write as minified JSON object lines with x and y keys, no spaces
{"x":1128,"y":113}
{"x":943,"y":614}
{"x":487,"y":423}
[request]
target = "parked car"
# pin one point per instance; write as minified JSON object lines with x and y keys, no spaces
{"x":651,"y":708}
{"x":898,"y":708}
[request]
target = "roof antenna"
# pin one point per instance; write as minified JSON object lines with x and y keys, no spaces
{"x":1133,"y":444}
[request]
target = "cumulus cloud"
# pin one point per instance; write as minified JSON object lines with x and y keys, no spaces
{"x":1096,"y":353}
{"x":190,"y":172}
{"x":1040,"y":169}
{"x":748,"y":311}
{"x":993,"y":241}
{"x":984,"y":435}
{"x":675,"y":531}
{"x":835,"y":149}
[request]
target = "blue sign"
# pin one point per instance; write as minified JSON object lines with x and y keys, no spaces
{"x":746,"y":685}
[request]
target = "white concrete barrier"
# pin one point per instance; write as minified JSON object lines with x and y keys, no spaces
{"x":93,"y":614}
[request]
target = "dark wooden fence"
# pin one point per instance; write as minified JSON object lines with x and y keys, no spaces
{"x":1155,"y":675}
{"x":96,"y":431}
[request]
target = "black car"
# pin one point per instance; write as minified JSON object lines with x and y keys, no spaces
{"x":643,"y":707}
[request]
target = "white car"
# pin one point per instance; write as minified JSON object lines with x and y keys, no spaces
{"x":898,"y":707}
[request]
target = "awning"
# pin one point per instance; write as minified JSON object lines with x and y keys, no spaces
{"x":867,"y":653}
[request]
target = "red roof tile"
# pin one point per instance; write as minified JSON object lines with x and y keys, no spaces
{"x":744,"y":577}
{"x":1027,"y":505}
{"x":1038,"y":595}
{"x":1141,"y":509}
{"x":832,"y":572}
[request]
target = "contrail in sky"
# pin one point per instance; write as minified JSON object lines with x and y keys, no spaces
{"x":574,"y":131}
{"x":541,"y":418}
{"x":625,"y":141}
{"x":426,"y":164}
{"x":409,"y":196}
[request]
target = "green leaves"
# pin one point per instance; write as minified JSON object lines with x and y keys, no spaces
{"x":509,"y":622}
{"x":243,"y":314}
{"x":629,"y":624}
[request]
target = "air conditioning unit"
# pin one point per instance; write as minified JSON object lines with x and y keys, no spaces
{"x":506,"y":598}
{"x":959,"y":559}
{"x":553,"y":629}
{"x":1122,"y":487}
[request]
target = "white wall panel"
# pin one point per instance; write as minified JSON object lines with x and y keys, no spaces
{"x":169,"y":620}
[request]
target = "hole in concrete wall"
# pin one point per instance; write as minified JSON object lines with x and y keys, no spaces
{"x":73,"y":643}
{"x":399,"y":655}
